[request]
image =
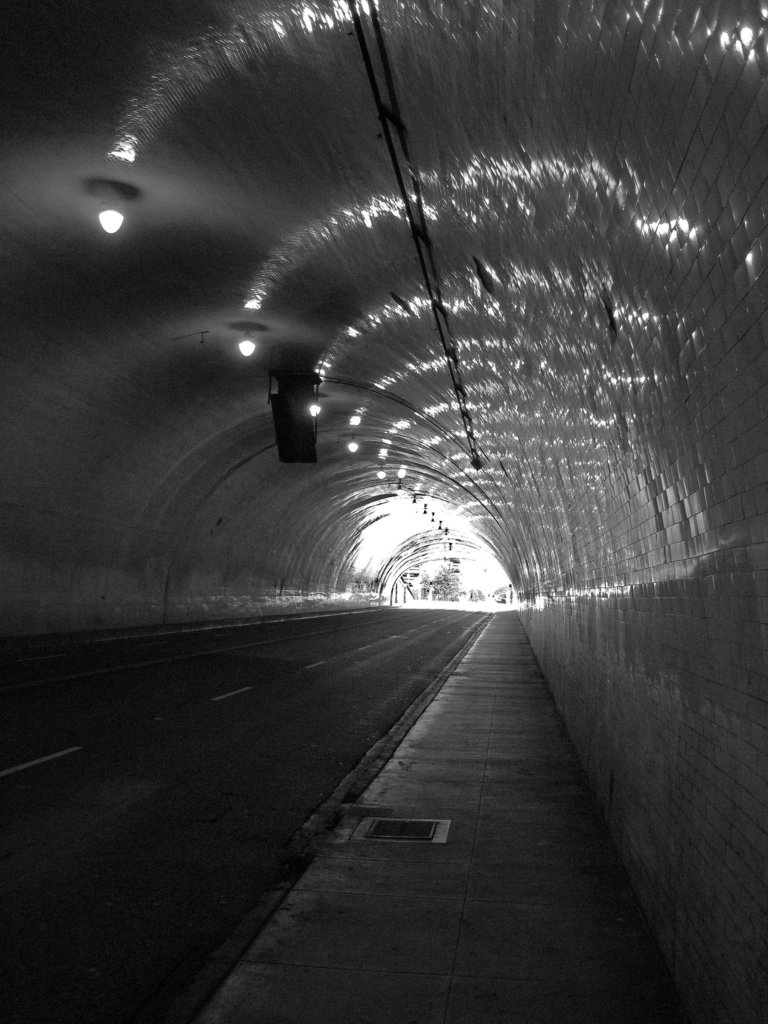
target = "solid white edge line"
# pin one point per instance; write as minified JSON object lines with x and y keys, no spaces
{"x":232,"y":693}
{"x":39,"y":760}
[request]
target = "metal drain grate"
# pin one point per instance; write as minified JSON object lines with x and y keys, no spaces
{"x":409,"y":830}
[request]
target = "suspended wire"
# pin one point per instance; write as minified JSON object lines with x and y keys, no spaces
{"x":389,"y":114}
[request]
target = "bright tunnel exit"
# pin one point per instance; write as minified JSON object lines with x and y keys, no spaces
{"x":422,"y":550}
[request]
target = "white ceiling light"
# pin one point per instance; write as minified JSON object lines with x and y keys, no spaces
{"x":353,"y":446}
{"x":247,"y":347}
{"x":111,"y":220}
{"x":112,"y":197}
{"x":314,"y":410}
{"x":354,"y":421}
{"x":381,"y":474}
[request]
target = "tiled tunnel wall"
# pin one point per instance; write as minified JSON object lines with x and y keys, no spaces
{"x":672,"y":730}
{"x":657,"y":662}
{"x":227,"y":533}
{"x":652,"y":628}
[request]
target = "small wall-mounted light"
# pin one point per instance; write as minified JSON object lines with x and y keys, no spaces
{"x":401,"y":472}
{"x":353,"y":446}
{"x":247,"y":347}
{"x":381,"y":474}
{"x":354,"y":421}
{"x":314,"y":410}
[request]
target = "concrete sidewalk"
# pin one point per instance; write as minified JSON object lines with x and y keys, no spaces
{"x":521,"y":913}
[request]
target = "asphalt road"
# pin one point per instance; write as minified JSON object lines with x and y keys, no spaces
{"x":149,"y":785}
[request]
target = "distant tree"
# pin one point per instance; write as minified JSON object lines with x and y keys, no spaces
{"x":476,"y":595}
{"x":445,"y":584}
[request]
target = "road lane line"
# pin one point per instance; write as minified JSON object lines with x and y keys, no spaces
{"x":39,"y":760}
{"x":314,"y":664}
{"x":232,"y":693}
{"x":111,"y":669}
{"x":43,"y":657}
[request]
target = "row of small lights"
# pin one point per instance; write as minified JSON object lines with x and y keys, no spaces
{"x":402,"y":493}
{"x":354,"y":421}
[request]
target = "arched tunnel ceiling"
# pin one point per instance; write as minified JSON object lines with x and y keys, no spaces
{"x":592,"y":181}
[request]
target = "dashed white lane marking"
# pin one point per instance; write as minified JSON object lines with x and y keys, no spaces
{"x":232,"y":693}
{"x":39,"y":760}
{"x":315,"y":664}
{"x":43,"y":657}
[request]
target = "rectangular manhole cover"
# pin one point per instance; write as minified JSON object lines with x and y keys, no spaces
{"x":409,"y":830}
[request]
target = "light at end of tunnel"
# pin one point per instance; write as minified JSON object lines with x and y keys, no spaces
{"x":247,"y":347}
{"x":353,"y":446}
{"x":401,"y":472}
{"x":110,"y":220}
{"x":314,"y":410}
{"x":381,"y":474}
{"x":354,"y":421}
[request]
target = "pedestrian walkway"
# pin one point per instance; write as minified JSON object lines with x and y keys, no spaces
{"x":519,"y":912}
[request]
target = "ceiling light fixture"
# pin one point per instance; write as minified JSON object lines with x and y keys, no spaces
{"x":314,"y":410}
{"x":247,"y":347}
{"x":113,"y":195}
{"x":353,"y":446}
{"x":111,"y":220}
{"x":354,"y":421}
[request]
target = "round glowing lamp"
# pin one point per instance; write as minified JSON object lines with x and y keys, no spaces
{"x":314,"y":410}
{"x":381,"y":474}
{"x":353,"y":446}
{"x":247,"y":347}
{"x":111,"y":220}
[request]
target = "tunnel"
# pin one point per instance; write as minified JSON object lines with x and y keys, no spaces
{"x":492,"y":272}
